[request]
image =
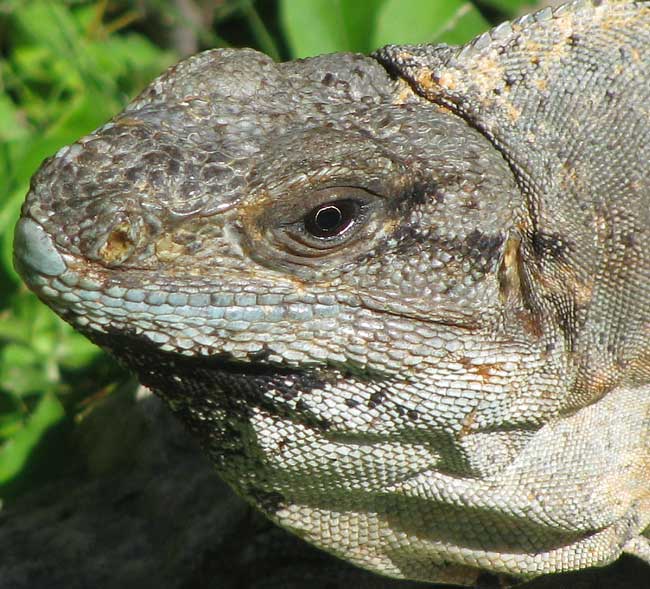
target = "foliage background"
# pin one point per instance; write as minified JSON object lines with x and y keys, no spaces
{"x":66,"y":66}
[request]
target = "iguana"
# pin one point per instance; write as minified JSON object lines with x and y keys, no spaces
{"x":402,"y":300}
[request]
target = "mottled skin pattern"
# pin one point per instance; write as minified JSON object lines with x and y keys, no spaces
{"x":402,"y":300}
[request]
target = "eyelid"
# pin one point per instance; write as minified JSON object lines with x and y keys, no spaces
{"x":362,"y":210}
{"x":329,"y":195}
{"x":294,"y":238}
{"x":282,"y":226}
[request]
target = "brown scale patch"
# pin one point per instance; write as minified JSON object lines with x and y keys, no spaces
{"x":404,"y":56}
{"x":512,"y":112}
{"x":485,"y":370}
{"x":569,"y":175}
{"x":488,"y":77}
{"x":591,"y":385}
{"x":640,"y":364}
{"x":129,"y":121}
{"x":530,"y":323}
{"x":433,"y":83}
{"x":616,"y":22}
{"x":168,"y":250}
{"x":448,"y":80}
{"x":636,"y":185}
{"x":404,"y":93}
{"x":542,"y":84}
{"x":565,"y":25}
{"x":467,"y":424}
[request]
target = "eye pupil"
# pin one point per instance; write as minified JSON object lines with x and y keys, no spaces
{"x":331,"y":219}
{"x":328,"y":218}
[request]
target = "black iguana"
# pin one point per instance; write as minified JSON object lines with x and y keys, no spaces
{"x":402,"y":300}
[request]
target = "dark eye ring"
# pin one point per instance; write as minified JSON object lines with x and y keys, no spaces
{"x":331,"y":219}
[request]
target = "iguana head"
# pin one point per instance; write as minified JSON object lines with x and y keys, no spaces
{"x":285,"y":215}
{"x":300,"y":257}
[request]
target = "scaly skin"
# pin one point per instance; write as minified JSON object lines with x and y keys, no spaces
{"x":402,"y":300}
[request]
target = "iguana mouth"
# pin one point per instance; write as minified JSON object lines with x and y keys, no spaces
{"x":129,"y":347}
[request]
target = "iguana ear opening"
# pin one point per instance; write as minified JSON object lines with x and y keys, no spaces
{"x":544,"y":299}
{"x":514,"y":291}
{"x":538,"y":285}
{"x":510,"y":286}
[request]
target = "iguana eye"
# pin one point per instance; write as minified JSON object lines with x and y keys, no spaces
{"x":331,"y":219}
{"x":319,"y":224}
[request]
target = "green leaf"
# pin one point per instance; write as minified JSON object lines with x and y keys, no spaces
{"x":11,"y":422}
{"x":40,"y":22}
{"x":21,"y":371}
{"x":37,"y":345}
{"x":426,"y":21}
{"x":9,"y":212}
{"x":15,"y":452}
{"x":325,"y":26}
{"x":12,"y":127}
{"x":62,"y":74}
{"x":74,"y":351}
{"x":512,"y":8}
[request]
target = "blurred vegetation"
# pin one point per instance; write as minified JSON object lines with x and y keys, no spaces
{"x":66,"y":66}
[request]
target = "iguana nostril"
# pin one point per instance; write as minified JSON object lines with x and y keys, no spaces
{"x":119,"y":244}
